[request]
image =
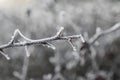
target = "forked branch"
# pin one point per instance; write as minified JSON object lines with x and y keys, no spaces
{"x":58,"y":36}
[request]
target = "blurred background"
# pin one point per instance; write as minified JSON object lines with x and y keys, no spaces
{"x":38,"y":19}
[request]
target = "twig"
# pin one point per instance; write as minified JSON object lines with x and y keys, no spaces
{"x":22,"y":76}
{"x":58,"y":36}
{"x":25,"y":68}
{"x":39,"y":41}
{"x":101,"y":33}
{"x":5,"y":55}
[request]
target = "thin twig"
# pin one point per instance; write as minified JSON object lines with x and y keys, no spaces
{"x":5,"y":55}
{"x":101,"y":33}
{"x":22,"y":76}
{"x":39,"y":41}
{"x":25,"y":68}
{"x":58,"y":36}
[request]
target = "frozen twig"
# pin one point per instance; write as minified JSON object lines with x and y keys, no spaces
{"x":29,"y":42}
{"x":5,"y":55}
{"x":58,"y":36}
{"x":39,"y":41}
{"x":71,"y":43}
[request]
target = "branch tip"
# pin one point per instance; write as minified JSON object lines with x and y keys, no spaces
{"x":5,"y":55}
{"x":71,"y":43}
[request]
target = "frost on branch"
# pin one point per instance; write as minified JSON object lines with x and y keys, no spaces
{"x":5,"y":55}
{"x":86,"y":51}
{"x":59,"y":36}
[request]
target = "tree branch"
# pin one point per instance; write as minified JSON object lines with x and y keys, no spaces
{"x":101,"y":33}
{"x":58,"y":36}
{"x":29,"y":42}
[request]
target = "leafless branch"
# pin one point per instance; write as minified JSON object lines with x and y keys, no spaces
{"x":58,"y":36}
{"x":22,"y":76}
{"x":70,"y":42}
{"x":5,"y":55}
{"x":101,"y":33}
{"x":39,"y":41}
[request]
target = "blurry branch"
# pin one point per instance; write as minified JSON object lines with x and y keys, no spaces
{"x":22,"y":76}
{"x":100,"y":33}
{"x":94,"y":39}
{"x":58,"y":36}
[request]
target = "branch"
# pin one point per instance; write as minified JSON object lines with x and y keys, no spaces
{"x":5,"y":55}
{"x":29,"y":42}
{"x":22,"y":76}
{"x":58,"y":36}
{"x":101,"y":33}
